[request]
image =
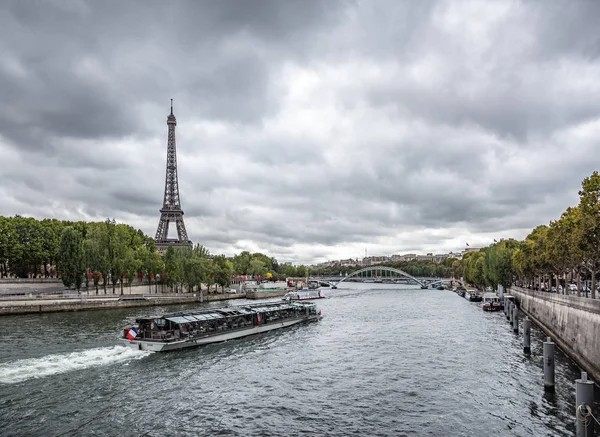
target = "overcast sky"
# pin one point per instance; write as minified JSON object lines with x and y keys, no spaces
{"x":307,"y":130}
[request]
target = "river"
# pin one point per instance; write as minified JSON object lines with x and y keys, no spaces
{"x":384,"y":361}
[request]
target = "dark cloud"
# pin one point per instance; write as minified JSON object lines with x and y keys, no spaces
{"x":307,"y":130}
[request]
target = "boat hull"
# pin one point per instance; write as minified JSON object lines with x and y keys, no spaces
{"x":159,"y":346}
{"x":492,"y":308}
{"x":304,"y":298}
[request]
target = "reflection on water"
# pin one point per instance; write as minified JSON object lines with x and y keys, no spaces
{"x":385,"y":360}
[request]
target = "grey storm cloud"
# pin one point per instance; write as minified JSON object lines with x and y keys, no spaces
{"x":306,"y":130}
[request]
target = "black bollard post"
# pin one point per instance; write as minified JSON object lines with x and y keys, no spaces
{"x":515,"y":319}
{"x":527,"y":335}
{"x":549,"y":365}
{"x":584,"y":400}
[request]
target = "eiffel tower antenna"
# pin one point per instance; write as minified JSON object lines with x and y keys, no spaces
{"x":171,"y":210}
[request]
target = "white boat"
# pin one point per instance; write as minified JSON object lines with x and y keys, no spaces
{"x":197,"y":328}
{"x":303,"y":295}
{"x":491,"y":302}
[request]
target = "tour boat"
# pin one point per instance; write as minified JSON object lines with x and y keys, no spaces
{"x":303,"y":295}
{"x":491,"y":302}
{"x":473,"y":296}
{"x":213,"y":325}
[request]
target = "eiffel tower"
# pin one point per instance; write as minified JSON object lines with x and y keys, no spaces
{"x":171,"y":210}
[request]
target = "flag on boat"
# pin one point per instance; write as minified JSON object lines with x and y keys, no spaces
{"x":319,"y":312}
{"x":132,"y":333}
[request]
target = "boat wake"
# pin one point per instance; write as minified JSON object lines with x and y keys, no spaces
{"x":30,"y":368}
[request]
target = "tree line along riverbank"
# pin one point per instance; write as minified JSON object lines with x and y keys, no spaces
{"x":109,"y":254}
{"x":565,"y":251}
{"x":554,"y":255}
{"x":103,"y":254}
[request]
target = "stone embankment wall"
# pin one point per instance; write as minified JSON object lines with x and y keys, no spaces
{"x":257,"y":294}
{"x":59,"y":305}
{"x":572,"y":322}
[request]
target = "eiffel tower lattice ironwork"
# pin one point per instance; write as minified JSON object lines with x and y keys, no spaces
{"x":171,"y":210}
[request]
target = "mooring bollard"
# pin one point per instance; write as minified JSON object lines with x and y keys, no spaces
{"x":515,"y":319}
{"x":549,"y":365}
{"x":510,"y":313}
{"x":584,"y":399}
{"x":526,"y":335}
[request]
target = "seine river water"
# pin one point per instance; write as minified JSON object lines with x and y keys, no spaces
{"x":384,"y":361}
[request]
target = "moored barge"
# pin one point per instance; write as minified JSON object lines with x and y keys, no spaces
{"x":491,"y":302}
{"x":303,"y":295}
{"x":213,"y":325}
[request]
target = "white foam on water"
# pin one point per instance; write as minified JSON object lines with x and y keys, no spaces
{"x":22,"y":370}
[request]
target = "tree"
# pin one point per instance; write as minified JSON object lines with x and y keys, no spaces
{"x":51,"y":230}
{"x":133,"y":264}
{"x":119,"y":243}
{"x":174,"y":266}
{"x":473,"y":267}
{"x":589,"y":205}
{"x":223,"y":271}
{"x":538,"y":240}
{"x":257,"y":268}
{"x":241,"y":263}
{"x":302,"y":271}
{"x":498,"y":265}
{"x":201,"y":251}
{"x":210,"y":274}
{"x":195,"y":271}
{"x":71,"y":264}
{"x":6,"y":232}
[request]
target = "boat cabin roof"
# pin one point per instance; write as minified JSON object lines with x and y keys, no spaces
{"x":233,"y":311}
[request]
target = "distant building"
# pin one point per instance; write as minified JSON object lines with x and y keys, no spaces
{"x":349,"y":262}
{"x":374,"y":260}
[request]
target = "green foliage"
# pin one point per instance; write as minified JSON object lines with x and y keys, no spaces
{"x":223,"y":270}
{"x":71,"y":263}
{"x":107,"y":250}
{"x":498,"y":263}
{"x":119,"y":252}
{"x":571,"y":243}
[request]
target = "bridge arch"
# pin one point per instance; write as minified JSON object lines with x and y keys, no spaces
{"x":381,"y":268}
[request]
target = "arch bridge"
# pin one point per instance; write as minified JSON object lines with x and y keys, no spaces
{"x":372,"y":269}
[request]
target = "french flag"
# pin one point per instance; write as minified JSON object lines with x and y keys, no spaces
{"x":132,"y":333}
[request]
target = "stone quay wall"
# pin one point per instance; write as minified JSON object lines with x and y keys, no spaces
{"x":33,"y":306}
{"x":572,"y":322}
{"x":257,"y":294}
